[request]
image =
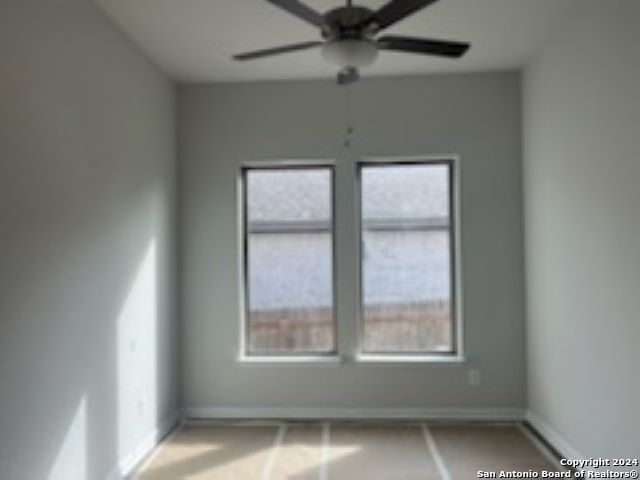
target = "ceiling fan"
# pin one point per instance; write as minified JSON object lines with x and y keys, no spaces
{"x":349,"y":35}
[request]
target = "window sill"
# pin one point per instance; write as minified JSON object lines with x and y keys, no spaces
{"x":411,"y":359}
{"x":296,"y":360}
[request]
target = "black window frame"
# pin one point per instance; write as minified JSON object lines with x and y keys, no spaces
{"x":453,"y":230}
{"x":245,"y":323}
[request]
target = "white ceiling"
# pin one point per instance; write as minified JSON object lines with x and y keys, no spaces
{"x":192,"y":40}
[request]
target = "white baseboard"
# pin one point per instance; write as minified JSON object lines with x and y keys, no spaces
{"x":543,"y":446}
{"x":558,"y":441}
{"x":129,"y":462}
{"x":274,"y":413}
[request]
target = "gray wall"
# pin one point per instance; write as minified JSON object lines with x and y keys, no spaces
{"x":475,"y":116}
{"x":582,"y":174}
{"x":87,"y":362}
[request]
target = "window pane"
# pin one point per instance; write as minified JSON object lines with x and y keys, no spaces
{"x":290,"y":261}
{"x":406,"y":258}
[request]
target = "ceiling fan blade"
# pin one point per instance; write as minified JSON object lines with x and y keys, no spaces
{"x":267,"y":52}
{"x":348,"y":75}
{"x":396,"y":10}
{"x":426,"y":46}
{"x":300,"y":10}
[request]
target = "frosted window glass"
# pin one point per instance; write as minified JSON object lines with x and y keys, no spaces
{"x":289,"y":261}
{"x":407,"y":258}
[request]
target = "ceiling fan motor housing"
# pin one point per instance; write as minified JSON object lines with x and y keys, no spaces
{"x":348,"y":23}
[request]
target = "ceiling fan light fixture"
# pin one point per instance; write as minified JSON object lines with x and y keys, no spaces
{"x":350,"y":53}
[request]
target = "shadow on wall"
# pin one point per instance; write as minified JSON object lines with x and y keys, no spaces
{"x":86,"y":188}
{"x":119,"y":405}
{"x":80,"y":364}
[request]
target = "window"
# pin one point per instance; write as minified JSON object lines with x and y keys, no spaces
{"x":407,"y":258}
{"x":288,"y":244}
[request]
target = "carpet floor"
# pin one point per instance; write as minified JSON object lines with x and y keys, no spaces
{"x":343,"y":451}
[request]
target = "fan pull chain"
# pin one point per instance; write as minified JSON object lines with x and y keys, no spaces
{"x":349,"y":124}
